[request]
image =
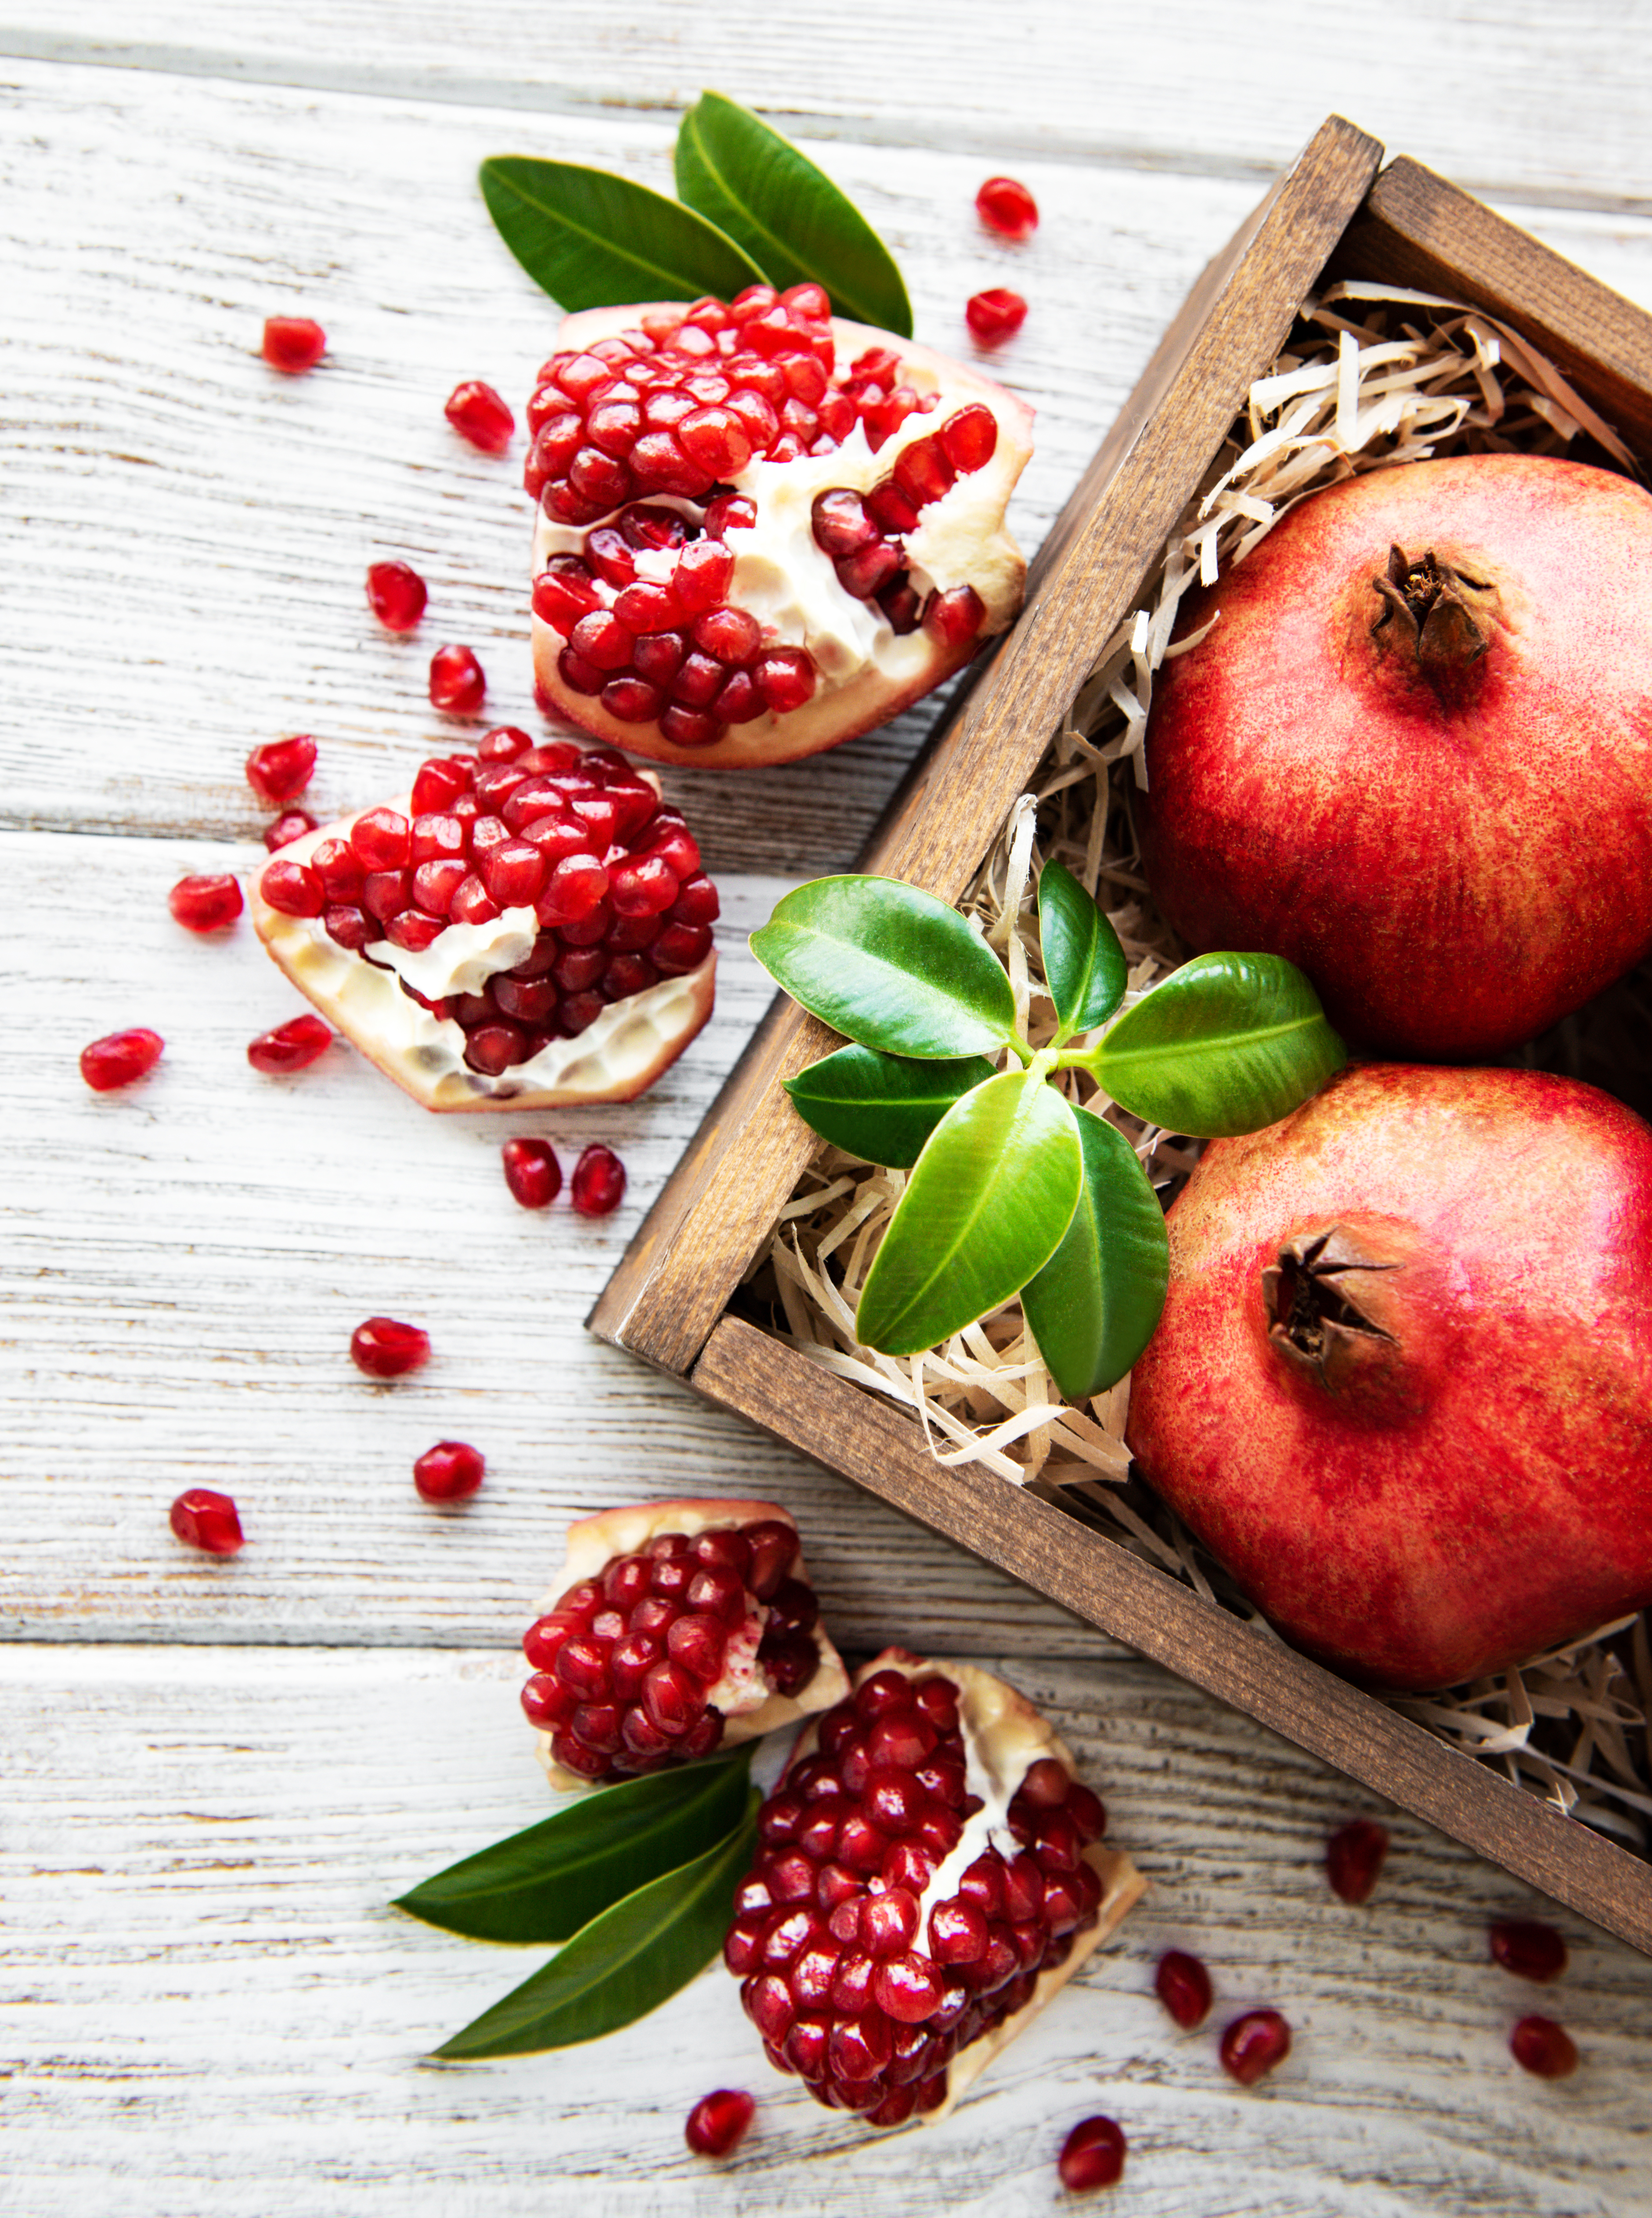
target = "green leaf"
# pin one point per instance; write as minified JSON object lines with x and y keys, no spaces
{"x":882,"y":1107}
{"x":890,"y":966}
{"x":1084,"y":964}
{"x":786,"y":214}
{"x":624,"y":1963}
{"x":1227,"y":1044}
{"x":1093,"y":1307}
{"x":595,"y":240}
{"x":986,"y":1207}
{"x":545,"y":1883}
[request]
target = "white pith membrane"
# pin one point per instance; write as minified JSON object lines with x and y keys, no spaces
{"x":867,"y":672}
{"x":614,"y":1059}
{"x":1004,"y":1736}
{"x":750,"y":1706}
{"x":1374,"y":377}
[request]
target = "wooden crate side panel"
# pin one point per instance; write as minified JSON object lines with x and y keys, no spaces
{"x":881,"y":1449}
{"x":688,"y":1256}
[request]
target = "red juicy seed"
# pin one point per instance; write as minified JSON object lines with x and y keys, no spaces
{"x":679,"y":949}
{"x":696,"y":1643}
{"x":1004,"y":205}
{"x":574,"y":1756}
{"x":579,"y":675}
{"x":290,"y":1047}
{"x":578,"y":1012}
{"x":729,"y":511}
{"x":943,"y":1776}
{"x":806,"y":2046}
{"x":281,"y":768}
{"x":544,"y":1637}
{"x":505,"y":743}
{"x":742,"y":1949}
{"x":646,"y":524}
{"x":983,"y":1884}
{"x":610,"y":554}
{"x":882,"y":1693}
{"x":514,"y":873}
{"x":773,"y":1550}
{"x":1529,"y":1949}
{"x":472,"y":903}
{"x":578,"y":375}
{"x":492,"y":1049}
{"x":690,"y":727}
{"x":529,"y":1000}
{"x":600,"y":481}
{"x":647,"y":887}
{"x":673,"y":1697}
{"x":718,"y":1588}
{"x":887,"y":1923}
{"x":386,"y":1349}
{"x":730,"y":636}
{"x":613,"y":427}
{"x":434,"y":838}
{"x":1253,"y":2045}
{"x":883,"y":418}
{"x":563,"y":594}
{"x":207,"y":1520}
{"x":644,"y":1739}
{"x":837,"y":417}
{"x":893,"y":1801}
{"x":286,"y":829}
{"x":665,"y":408}
{"x":790,"y":1660}
{"x":576,"y":889}
{"x":457,"y":684}
{"x":790,"y":1878}
{"x":630,"y":1660}
{"x":1183,"y":1987}
{"x":995,"y":315}
{"x":852,"y":1990}
{"x":1087,"y":1811}
{"x":860,"y":2048}
{"x":385,"y":893}
{"x":1059,"y":1842}
{"x":769,"y":2006}
{"x":350,"y":928}
{"x":602,"y":639}
{"x":840,"y":522}
{"x":954,"y":617}
{"x":578,"y":970}
{"x":908,"y":1987}
{"x":756,"y":301}
{"x":1354,"y":1856}
{"x":292,"y":889}
{"x":642,"y":608}
{"x":336,"y":864}
{"x":1024,"y":1889}
{"x":631,"y":700}
{"x":544,"y":1700}
{"x":890,"y":509}
{"x":938,"y":1700}
{"x":718,"y":2123}
{"x":740,"y":702}
{"x":904,"y":1740}
{"x":596,"y":1726}
{"x":1539,"y":2045}
{"x":205,"y":904}
{"x":293,"y":343}
{"x":435,"y":885}
{"x":381,"y":840}
{"x":448,"y":1471}
{"x":477,"y":413}
{"x":970,"y":437}
{"x":396,"y":594}
{"x":786,"y":678}
{"x":717,"y":440}
{"x":701,"y":679}
{"x":660,"y":464}
{"x":582,"y":1668}
{"x":437,"y":786}
{"x":957,"y":1932}
{"x":696,"y":902}
{"x":865,"y":573}
{"x":923,"y":472}
{"x":658,"y":657}
{"x":532,"y":1172}
{"x":701,"y":577}
{"x":795,"y":1607}
{"x":1092,"y":2155}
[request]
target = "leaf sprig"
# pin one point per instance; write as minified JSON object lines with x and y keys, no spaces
{"x":752,"y":209}
{"x":1013,"y":1187}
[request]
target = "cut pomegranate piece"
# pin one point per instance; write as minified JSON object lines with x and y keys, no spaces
{"x":718,"y":2123}
{"x":1354,"y":1856}
{"x":672,"y":1616}
{"x":396,"y":594}
{"x":1004,"y":205}
{"x":207,"y":1520}
{"x":281,"y":768}
{"x":292,"y":825}
{"x":1253,"y":2044}
{"x":449,"y":1472}
{"x":995,"y":315}
{"x":928,"y":1874}
{"x":478,"y":413}
{"x":293,"y":343}
{"x":120,"y":1058}
{"x":598,"y":1185}
{"x":1539,"y":2045}
{"x":1092,"y":2155}
{"x":1528,"y":1948}
{"x":292,"y":1046}
{"x":205,"y":904}
{"x":747,"y":649}
{"x":386,"y":1348}
{"x":1183,"y":1986}
{"x":532,"y":1172}
{"x":457,"y":684}
{"x":436,"y":930}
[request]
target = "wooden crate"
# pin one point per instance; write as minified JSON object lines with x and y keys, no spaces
{"x":1332,"y":215}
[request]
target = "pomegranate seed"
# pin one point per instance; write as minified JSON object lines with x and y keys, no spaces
{"x":995,"y":315}
{"x":1183,"y":1987}
{"x":385,"y":1350}
{"x":290,"y":1047}
{"x":786,"y":678}
{"x":1092,"y":2155}
{"x":970,"y":437}
{"x":281,"y":768}
{"x":718,"y":2123}
{"x":120,"y":1058}
{"x":292,"y":889}
{"x":532,"y":1172}
{"x":1539,"y":2045}
{"x":1529,"y":1949}
{"x":396,"y":594}
{"x":598,"y":1184}
{"x":954,"y":618}
{"x":922,"y":471}
{"x":448,"y":1471}
{"x":457,"y":684}
{"x":292,"y":344}
{"x":1253,"y":2044}
{"x":286,"y":829}
{"x":1004,"y":205}
{"x":205,"y":904}
{"x":477,"y":413}
{"x":840,"y":522}
{"x":1354,"y":1856}
{"x":207,"y":1520}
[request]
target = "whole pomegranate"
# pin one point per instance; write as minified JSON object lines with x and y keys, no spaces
{"x":1402,"y":1385}
{"x":928,"y":1874}
{"x":1415,"y":755}
{"x":762,"y":530}
{"x":527,"y":927}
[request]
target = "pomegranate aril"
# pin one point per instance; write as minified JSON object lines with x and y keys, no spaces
{"x":532,"y":1172}
{"x":599,"y":1184}
{"x":349,"y":927}
{"x":292,"y":889}
{"x":1528,"y":1948}
{"x":690,"y":727}
{"x":957,"y":1932}
{"x":396,"y":594}
{"x":1183,"y":1986}
{"x":494,"y":1048}
{"x":207,"y":1520}
{"x":631,"y":700}
{"x":643,"y":887}
{"x":865,"y":573}
{"x":786,"y":678}
{"x":292,"y":825}
{"x":923,"y":471}
{"x":471,"y":903}
{"x":281,"y":768}
{"x":290,"y":1047}
{"x":575,"y":889}
{"x":1354,"y":1856}
{"x":385,"y":893}
{"x":995,"y":315}
{"x":1539,"y":2045}
{"x":448,"y":1471}
{"x":702,"y":576}
{"x":440,"y":785}
{"x":613,"y":427}
{"x":1092,"y":2156}
{"x":718,"y":2123}
{"x":477,"y":412}
{"x":729,"y":511}
{"x":293,"y":343}
{"x":679,"y":949}
{"x":1253,"y":2044}
{"x":457,"y":684}
{"x":968,"y":438}
{"x":717,"y":440}
{"x":381,"y":840}
{"x":839,"y":520}
{"x":205,"y":904}
{"x":954,"y":617}
{"x":890,"y":510}
{"x":562,"y":595}
{"x":386,"y":1348}
{"x":545,"y":1701}
{"x":1004,"y":205}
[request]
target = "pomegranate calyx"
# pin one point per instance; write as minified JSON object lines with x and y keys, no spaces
{"x":1443,"y":615}
{"x":1313,"y":1320}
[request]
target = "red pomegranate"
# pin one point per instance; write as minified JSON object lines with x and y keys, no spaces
{"x":527,"y":927}
{"x":675,"y":1628}
{"x":928,"y":1874}
{"x":762,"y":530}
{"x":1415,"y":755}
{"x":1402,"y":1384}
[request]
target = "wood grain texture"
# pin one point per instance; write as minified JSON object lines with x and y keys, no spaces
{"x":209,"y":2006}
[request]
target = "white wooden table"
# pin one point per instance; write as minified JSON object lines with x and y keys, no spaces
{"x":221,"y":1772}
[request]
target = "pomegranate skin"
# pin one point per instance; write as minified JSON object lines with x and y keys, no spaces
{"x":1458,"y":860}
{"x":1466,"y":1483}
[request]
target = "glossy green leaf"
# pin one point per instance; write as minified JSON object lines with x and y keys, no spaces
{"x":990,"y":1197}
{"x":1227,"y":1044}
{"x":889,"y":966}
{"x":624,"y":1963}
{"x":1084,"y":964}
{"x":595,"y":240}
{"x":882,"y":1107}
{"x":787,"y":216}
{"x":1093,"y":1307}
{"x":545,"y":1883}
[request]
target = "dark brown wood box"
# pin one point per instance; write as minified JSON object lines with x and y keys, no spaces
{"x":1337,"y":212}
